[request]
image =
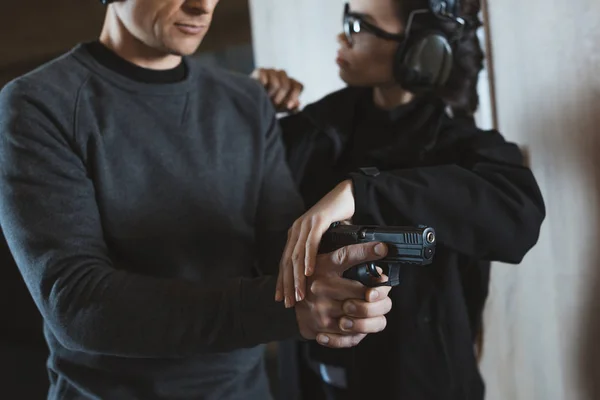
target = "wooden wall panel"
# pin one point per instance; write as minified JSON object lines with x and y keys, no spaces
{"x":543,"y":317}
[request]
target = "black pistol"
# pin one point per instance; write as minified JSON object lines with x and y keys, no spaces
{"x":406,"y":245}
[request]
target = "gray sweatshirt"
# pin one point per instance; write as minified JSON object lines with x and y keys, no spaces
{"x":147,"y":221}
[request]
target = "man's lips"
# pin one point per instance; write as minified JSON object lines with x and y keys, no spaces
{"x":190,"y":29}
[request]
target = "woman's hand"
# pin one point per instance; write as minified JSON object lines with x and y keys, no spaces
{"x":300,"y":253}
{"x":283,"y":90}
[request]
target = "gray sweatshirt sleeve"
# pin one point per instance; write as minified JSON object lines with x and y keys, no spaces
{"x":52,"y":224}
{"x":279,"y":204}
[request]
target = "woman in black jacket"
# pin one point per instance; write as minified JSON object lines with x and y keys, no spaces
{"x":399,"y":147}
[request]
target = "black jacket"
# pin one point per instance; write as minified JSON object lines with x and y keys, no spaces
{"x":471,"y":186}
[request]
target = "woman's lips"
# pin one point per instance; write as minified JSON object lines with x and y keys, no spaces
{"x":341,"y":61}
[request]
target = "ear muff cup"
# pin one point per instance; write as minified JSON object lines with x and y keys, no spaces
{"x":424,"y":62}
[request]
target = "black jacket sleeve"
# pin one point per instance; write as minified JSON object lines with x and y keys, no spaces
{"x":479,"y":197}
{"x":52,"y":224}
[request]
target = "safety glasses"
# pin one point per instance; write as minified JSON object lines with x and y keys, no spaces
{"x":354,"y":23}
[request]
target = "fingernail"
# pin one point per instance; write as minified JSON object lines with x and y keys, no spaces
{"x":278,"y":295}
{"x":374,"y":295}
{"x":290,"y":104}
{"x":347,"y":323}
{"x":288,"y":302}
{"x":350,"y":308}
{"x":299,"y":295}
{"x":323,"y":339}
{"x":380,"y":249}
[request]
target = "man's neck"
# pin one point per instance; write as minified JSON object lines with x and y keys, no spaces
{"x":117,"y":38}
{"x":392,"y":96}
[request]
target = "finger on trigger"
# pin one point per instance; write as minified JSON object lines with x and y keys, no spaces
{"x":349,"y":256}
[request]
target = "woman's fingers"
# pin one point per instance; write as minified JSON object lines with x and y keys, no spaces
{"x":287,"y":268}
{"x":312,"y":245}
{"x":279,"y":286}
{"x":298,"y":261}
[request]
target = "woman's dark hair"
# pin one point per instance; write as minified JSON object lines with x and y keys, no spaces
{"x":460,"y":92}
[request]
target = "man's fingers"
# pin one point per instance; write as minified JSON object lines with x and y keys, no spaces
{"x":363,"y":325}
{"x":337,"y":341}
{"x":349,"y":256}
{"x":362,"y":309}
{"x":327,"y":316}
{"x":339,"y":289}
{"x":377,"y":293}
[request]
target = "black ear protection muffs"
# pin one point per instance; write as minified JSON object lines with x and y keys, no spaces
{"x":424,"y":60}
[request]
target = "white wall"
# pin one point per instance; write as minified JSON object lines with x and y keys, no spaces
{"x":543,"y":318}
{"x":299,"y":37}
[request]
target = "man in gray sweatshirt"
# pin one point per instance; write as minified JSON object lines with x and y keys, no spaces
{"x":146,"y":201}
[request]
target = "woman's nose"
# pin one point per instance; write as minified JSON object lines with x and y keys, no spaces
{"x":343,"y":40}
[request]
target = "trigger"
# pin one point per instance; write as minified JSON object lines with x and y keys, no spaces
{"x":373,"y":271}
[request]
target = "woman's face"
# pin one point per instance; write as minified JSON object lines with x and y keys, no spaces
{"x":368,"y":61}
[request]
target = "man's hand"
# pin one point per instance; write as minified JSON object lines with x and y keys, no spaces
{"x":283,"y":90}
{"x":300,"y":253}
{"x":340,"y":312}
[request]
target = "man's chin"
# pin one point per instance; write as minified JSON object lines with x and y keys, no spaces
{"x":184,"y":49}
